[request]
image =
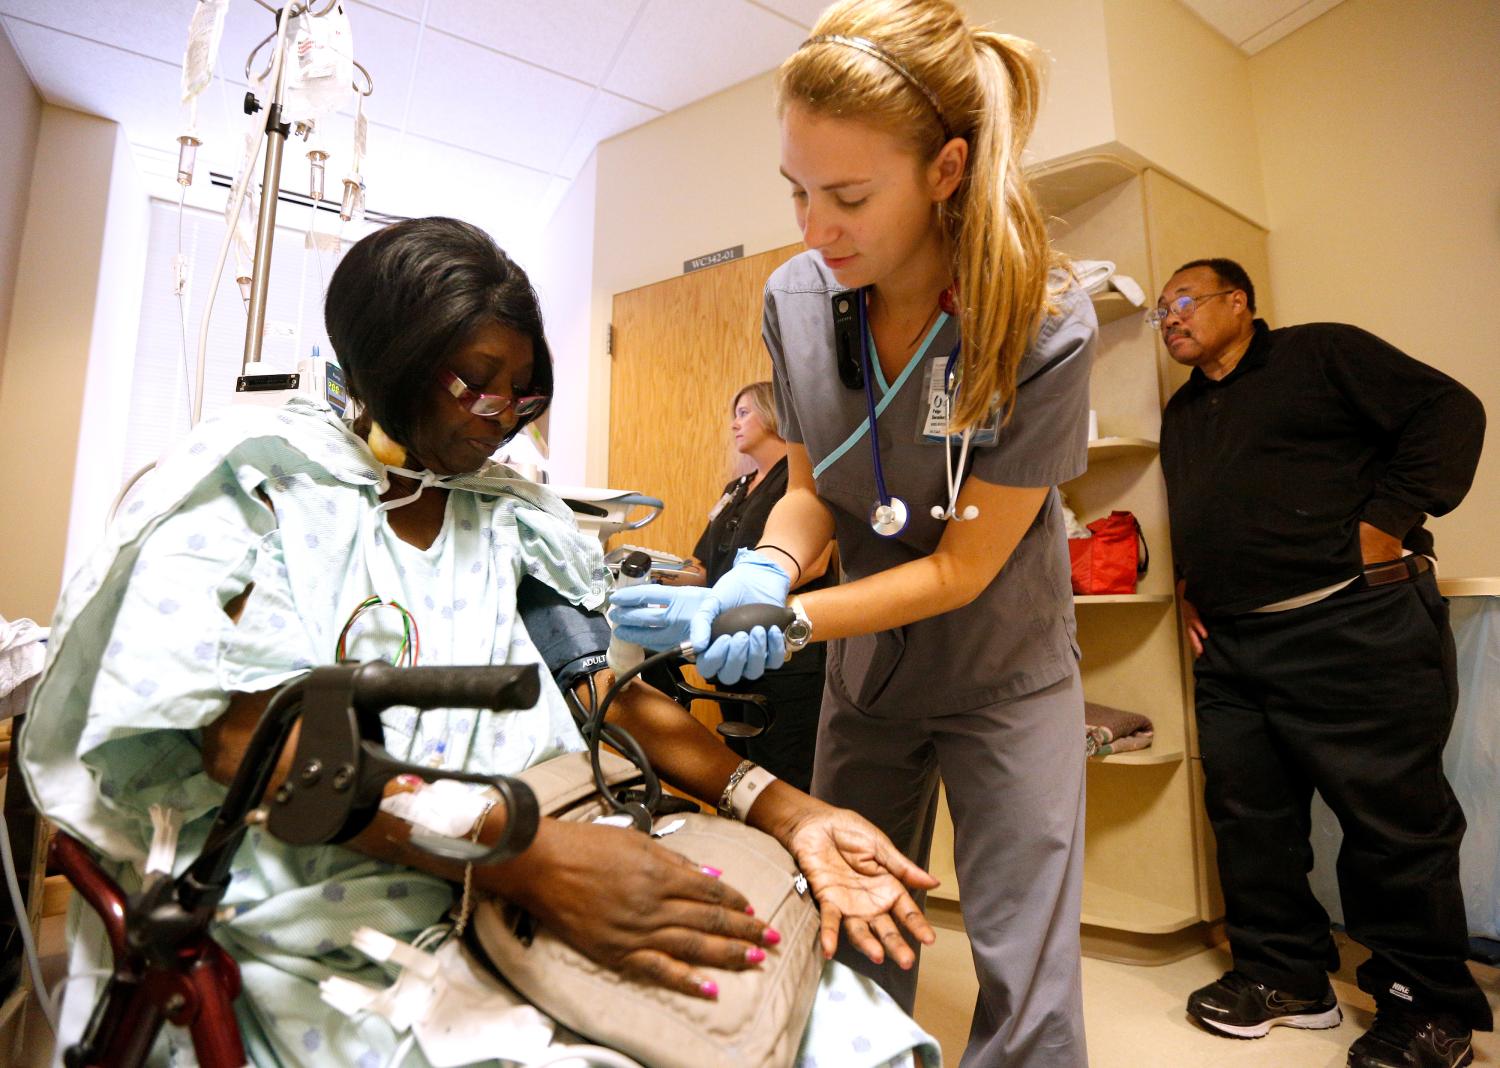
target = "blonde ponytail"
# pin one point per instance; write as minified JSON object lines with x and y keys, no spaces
{"x":925,"y":75}
{"x":1001,"y":253}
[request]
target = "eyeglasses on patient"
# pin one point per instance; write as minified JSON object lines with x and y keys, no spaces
{"x":1183,"y":307}
{"x":492,"y":405}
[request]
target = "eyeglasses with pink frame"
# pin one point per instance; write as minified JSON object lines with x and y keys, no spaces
{"x":491,"y":405}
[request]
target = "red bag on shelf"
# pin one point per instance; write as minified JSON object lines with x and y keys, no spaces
{"x":1113,"y":559}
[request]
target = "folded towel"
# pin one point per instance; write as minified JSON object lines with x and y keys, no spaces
{"x":1095,"y":276}
{"x":1112,"y":730}
{"x":22,"y":654}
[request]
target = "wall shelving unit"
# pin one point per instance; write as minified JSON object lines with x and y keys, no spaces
{"x":1150,"y":894}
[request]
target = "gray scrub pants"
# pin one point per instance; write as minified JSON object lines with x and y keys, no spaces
{"x":1015,"y":776}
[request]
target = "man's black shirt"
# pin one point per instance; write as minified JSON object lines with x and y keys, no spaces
{"x":1271,"y":469}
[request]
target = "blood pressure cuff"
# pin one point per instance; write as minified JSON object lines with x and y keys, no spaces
{"x":572,"y":640}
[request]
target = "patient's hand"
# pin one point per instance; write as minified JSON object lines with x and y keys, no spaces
{"x":861,"y":881}
{"x":627,"y":903}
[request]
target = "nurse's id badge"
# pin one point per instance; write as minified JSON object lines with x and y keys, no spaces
{"x":936,"y":415}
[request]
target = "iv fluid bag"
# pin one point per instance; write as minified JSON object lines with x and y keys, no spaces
{"x":319,"y":65}
{"x":204,"y":34}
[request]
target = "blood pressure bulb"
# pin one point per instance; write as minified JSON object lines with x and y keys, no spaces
{"x":635,"y":569}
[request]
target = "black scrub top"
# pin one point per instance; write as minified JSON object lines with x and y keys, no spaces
{"x":739,"y":525}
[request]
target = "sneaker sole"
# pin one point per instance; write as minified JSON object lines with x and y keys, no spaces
{"x":1320,"y":1021}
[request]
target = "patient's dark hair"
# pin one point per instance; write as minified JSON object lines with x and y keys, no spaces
{"x":1230,"y":274}
{"x":405,"y":297}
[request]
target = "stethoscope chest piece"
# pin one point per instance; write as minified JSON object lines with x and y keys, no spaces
{"x":889,"y":519}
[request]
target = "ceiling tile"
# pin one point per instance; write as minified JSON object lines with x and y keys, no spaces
{"x":578,"y":38}
{"x":608,"y":115}
{"x":140,"y":94}
{"x":411,"y":9}
{"x":470,"y":96}
{"x":684,"y":50}
{"x":803,"y":12}
{"x":156,"y":28}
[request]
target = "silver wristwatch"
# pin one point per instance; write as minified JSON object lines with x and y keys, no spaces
{"x":799,"y":631}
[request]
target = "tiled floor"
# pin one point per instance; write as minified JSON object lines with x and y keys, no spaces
{"x":1133,"y":1014}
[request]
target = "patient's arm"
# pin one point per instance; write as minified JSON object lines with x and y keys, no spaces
{"x":612,"y":894}
{"x":861,"y":880}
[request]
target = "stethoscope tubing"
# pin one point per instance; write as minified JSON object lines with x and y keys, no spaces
{"x":885,"y":499}
{"x":869,"y":375}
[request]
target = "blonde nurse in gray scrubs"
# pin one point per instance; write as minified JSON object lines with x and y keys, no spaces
{"x":931,"y":365}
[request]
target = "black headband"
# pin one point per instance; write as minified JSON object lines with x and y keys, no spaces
{"x":870,"y":48}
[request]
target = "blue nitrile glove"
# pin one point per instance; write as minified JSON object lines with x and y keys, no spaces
{"x":743,"y":654}
{"x":753,"y":579}
{"x":654,"y":616}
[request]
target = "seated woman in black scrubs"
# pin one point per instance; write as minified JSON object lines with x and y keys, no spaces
{"x":796,"y":691}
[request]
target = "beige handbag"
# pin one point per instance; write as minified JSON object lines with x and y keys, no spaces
{"x":759,"y":1016}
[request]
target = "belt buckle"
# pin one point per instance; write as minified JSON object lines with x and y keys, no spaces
{"x":1405,"y":569}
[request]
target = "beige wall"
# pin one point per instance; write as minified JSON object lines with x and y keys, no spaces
{"x":20,"y":119}
{"x":705,"y":177}
{"x":1379,"y":126}
{"x":564,"y":278}
{"x":1181,"y":96}
{"x":77,"y":292}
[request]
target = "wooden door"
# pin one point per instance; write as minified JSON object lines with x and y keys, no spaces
{"x":681,"y":349}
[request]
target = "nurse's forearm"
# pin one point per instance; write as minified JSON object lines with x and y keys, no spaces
{"x":966,"y":561}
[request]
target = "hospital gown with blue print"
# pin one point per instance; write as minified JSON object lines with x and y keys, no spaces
{"x":143,"y":655}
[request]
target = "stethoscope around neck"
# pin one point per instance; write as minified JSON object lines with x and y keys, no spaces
{"x":889,"y":516}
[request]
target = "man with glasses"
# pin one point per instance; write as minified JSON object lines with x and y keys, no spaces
{"x":1301,"y":464}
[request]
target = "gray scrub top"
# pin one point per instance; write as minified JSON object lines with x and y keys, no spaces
{"x":1016,"y":637}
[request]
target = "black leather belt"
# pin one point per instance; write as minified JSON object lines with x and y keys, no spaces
{"x":1405,"y":569}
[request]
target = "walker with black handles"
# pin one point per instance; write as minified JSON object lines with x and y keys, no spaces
{"x":166,"y":965}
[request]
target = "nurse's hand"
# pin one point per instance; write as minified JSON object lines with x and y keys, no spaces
{"x":861,"y":881}
{"x":754,"y":579}
{"x":655,"y":616}
{"x":632,"y":905}
{"x":743,"y":655}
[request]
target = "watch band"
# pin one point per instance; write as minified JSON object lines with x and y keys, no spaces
{"x":799,"y":631}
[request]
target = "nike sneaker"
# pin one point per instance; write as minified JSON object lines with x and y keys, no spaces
{"x":1240,"y":1008}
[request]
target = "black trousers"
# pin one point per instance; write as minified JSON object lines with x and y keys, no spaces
{"x":1352,"y":696}
{"x":786,"y":750}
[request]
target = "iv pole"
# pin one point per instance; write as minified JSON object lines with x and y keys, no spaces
{"x":265,"y":227}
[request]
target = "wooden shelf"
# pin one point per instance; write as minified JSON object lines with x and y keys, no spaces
{"x":1111,"y":305}
{"x":1149,"y":755}
{"x":1061,"y":187}
{"x":1122,"y":598}
{"x":1106,"y":907}
{"x":1107,"y":448}
{"x":1469,"y":587}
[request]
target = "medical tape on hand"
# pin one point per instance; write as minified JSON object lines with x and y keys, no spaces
{"x":445,"y":807}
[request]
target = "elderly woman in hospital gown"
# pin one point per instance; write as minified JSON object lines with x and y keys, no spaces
{"x":242,"y":562}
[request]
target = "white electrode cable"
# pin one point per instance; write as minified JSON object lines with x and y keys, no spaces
{"x":33,"y":962}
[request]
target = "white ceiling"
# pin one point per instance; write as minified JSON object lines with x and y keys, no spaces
{"x":1251,"y":25}
{"x":484,"y":109}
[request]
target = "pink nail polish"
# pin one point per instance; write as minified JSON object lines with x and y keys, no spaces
{"x":413,"y":781}
{"x":712,"y":873}
{"x":749,"y":910}
{"x":754,"y":955}
{"x":708,"y":988}
{"x":771,"y":936}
